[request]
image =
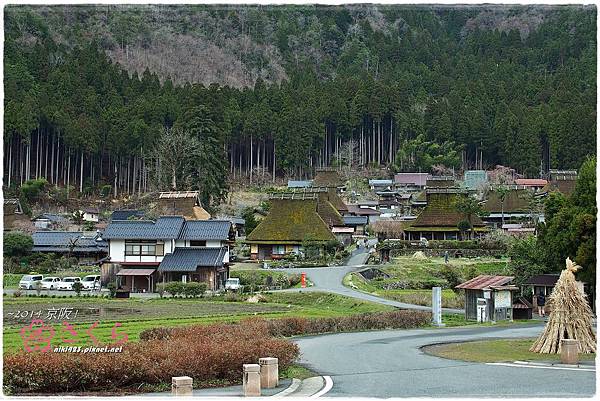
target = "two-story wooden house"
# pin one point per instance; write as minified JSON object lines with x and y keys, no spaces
{"x":143,"y":252}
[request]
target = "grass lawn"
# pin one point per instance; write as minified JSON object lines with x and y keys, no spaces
{"x":139,"y":314}
{"x":246,"y":266}
{"x":507,"y":350}
{"x":414,"y":274}
{"x":410,"y":269}
{"x":450,"y":299}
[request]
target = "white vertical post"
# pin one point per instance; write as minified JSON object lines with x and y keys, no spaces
{"x":436,"y":306}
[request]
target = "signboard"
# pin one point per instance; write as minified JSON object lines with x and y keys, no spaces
{"x":503,"y":299}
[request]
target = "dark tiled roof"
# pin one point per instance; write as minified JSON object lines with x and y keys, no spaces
{"x":543,"y":279}
{"x":166,"y":227}
{"x":355,"y":220}
{"x":61,"y":241}
{"x":126,"y":214}
{"x":189,"y":259}
{"x":485,"y":281}
{"x":364,"y":211}
{"x":200,"y":230}
{"x":57,"y":218}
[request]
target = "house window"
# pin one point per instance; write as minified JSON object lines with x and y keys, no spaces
{"x":278,"y":249}
{"x":143,"y":248}
{"x":197,"y":243}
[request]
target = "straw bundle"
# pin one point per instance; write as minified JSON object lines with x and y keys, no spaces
{"x":571,"y":317}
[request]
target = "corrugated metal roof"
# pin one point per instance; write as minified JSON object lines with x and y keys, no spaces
{"x":299,"y":184}
{"x":537,"y":182}
{"x":418,"y":179}
{"x":189,"y":259}
{"x":355,"y":220}
{"x":135,"y":272}
{"x":380,"y":182}
{"x":485,"y":281}
{"x":166,"y":227}
{"x":206,"y":230}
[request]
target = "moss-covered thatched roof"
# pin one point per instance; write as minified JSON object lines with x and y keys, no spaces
{"x":327,"y":199}
{"x":515,"y":202}
{"x":291,"y":221}
{"x":441,"y":212}
{"x":327,"y":178}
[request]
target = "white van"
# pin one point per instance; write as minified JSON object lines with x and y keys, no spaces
{"x":28,"y":281}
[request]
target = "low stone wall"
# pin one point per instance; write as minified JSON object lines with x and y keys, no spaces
{"x":452,"y":253}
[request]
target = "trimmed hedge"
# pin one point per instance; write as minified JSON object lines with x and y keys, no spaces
{"x":211,"y":355}
{"x":294,"y":326}
{"x":265,"y":278}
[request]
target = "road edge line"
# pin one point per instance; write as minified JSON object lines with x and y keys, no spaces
{"x":328,"y":386}
{"x":291,"y":388}
{"x":530,"y":366}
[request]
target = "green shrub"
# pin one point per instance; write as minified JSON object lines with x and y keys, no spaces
{"x":175,"y":288}
{"x":17,"y":244}
{"x":193,"y":289}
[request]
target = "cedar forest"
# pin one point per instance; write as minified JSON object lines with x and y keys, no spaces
{"x":121,"y":97}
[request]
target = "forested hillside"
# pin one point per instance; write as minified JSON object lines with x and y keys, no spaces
{"x":94,"y":95}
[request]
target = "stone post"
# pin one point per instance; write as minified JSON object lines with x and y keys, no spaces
{"x":569,"y":350}
{"x":436,"y":306}
{"x":269,"y":372}
{"x":181,"y":385}
{"x":251,"y":382}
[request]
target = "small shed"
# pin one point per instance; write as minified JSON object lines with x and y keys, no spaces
{"x":522,"y":309}
{"x":488,"y":298}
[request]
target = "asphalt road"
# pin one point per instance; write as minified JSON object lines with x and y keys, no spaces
{"x":391,"y":364}
{"x":329,"y":279}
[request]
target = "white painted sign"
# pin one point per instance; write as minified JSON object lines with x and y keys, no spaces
{"x":436,"y":306}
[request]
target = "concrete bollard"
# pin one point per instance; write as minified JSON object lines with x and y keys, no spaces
{"x":569,"y":352}
{"x":269,"y":372}
{"x":181,"y":385}
{"x":251,"y":381}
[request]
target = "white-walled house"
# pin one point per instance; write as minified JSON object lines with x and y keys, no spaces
{"x":143,"y":252}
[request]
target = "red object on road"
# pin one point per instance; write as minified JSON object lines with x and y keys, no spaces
{"x":303,"y":280}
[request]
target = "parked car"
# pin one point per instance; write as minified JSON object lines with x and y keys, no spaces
{"x":29,"y":281}
{"x":50,"y":283}
{"x":91,"y":282}
{"x":67,"y":283}
{"x":233,"y":284}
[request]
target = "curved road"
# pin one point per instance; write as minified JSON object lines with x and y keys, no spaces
{"x":391,"y":364}
{"x":329,"y":279}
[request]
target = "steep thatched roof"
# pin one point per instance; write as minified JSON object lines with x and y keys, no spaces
{"x":327,"y":178}
{"x":291,"y":221}
{"x":441,"y":212}
{"x":515,"y":202}
{"x":329,"y":204}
